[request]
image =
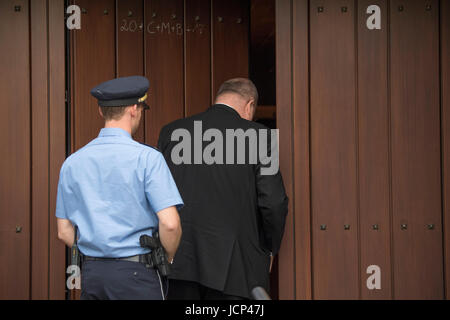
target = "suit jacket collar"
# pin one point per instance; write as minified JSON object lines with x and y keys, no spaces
{"x":226,"y":108}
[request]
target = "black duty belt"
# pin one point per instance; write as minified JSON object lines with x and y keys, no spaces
{"x":141,"y":258}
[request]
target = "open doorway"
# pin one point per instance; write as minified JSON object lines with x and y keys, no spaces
{"x":185,"y":48}
{"x":262,"y":59}
{"x":263,"y":74}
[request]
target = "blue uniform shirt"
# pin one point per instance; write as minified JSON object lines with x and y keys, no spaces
{"x":112,"y":189}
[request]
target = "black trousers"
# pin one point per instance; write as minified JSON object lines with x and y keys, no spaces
{"x":188,"y":290}
{"x":120,"y":280}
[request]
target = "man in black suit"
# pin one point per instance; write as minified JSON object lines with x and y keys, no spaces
{"x":226,"y":168}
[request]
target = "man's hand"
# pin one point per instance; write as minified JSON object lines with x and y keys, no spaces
{"x":169,"y":230}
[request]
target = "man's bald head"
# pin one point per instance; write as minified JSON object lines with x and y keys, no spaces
{"x":240,"y":86}
{"x":241,"y":94}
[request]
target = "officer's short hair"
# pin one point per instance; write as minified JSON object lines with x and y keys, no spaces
{"x":241,"y":86}
{"x":113,"y":113}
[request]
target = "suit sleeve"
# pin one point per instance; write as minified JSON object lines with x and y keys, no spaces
{"x":272,"y":202}
{"x":163,"y":140}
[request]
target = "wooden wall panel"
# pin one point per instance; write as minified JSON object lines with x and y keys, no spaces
{"x":15,"y":140}
{"x":445,"y":114}
{"x":415,"y":123}
{"x":130,"y":44}
{"x":197,"y":28}
{"x":373,"y":119}
{"x":57,"y":141}
{"x":40,"y":151}
{"x":333,"y":150}
{"x":301,"y":145}
{"x":94,"y":62}
{"x":164,"y":64}
{"x":286,"y":258}
{"x":230,"y":41}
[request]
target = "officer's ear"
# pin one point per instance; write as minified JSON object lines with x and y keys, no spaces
{"x":134,"y":110}
{"x":100,"y":112}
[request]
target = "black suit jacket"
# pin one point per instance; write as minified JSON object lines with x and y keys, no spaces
{"x":233,"y":216}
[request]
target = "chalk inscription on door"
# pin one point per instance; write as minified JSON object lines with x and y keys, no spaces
{"x":74,"y":22}
{"x":167,"y":28}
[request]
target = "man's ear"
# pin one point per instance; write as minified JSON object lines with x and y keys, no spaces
{"x":100,"y":112}
{"x":249,"y":108}
{"x":134,"y":110}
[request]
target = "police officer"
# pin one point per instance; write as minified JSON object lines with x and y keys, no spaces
{"x":114,"y":190}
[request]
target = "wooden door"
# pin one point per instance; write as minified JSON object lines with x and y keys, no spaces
{"x":164,"y":64}
{"x":415,"y":143}
{"x":93,"y":62}
{"x":186,"y":48}
{"x":197,"y":63}
{"x":333,"y":150}
{"x":230,"y":41}
{"x":130,"y":45}
{"x":15,"y":166}
{"x":374,"y":152}
{"x":445,"y":129}
{"x":363,"y":118}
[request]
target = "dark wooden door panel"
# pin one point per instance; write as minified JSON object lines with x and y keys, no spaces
{"x":94,"y":62}
{"x":301,"y":148}
{"x":286,"y":258}
{"x":164,"y":64}
{"x":57,"y":142}
{"x":15,"y":142}
{"x":40,"y":151}
{"x":230,"y":44}
{"x":373,"y":124}
{"x":130,"y":39}
{"x":333,"y":150}
{"x":415,"y":123}
{"x":130,"y":44}
{"x":197,"y":56}
{"x":445,"y":92}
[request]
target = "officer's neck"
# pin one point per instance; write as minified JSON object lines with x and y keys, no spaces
{"x":119,"y":124}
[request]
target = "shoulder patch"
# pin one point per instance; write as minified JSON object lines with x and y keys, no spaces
{"x":147,"y":145}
